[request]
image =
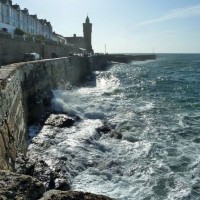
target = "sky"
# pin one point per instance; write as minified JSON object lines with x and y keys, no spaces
{"x":126,"y":26}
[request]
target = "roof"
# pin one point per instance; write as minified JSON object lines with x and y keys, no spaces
{"x":16,"y":6}
{"x":34,"y":16}
{"x":4,"y":1}
{"x":87,"y":20}
{"x":45,"y":22}
{"x":25,"y":11}
{"x":77,"y":37}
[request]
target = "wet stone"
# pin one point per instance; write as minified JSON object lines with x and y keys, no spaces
{"x":197,"y":140}
{"x":72,"y":195}
{"x":24,"y":166}
{"x":62,"y":184}
{"x":19,"y":186}
{"x":104,"y":129}
{"x":39,"y":169}
{"x":60,"y":120}
{"x":116,"y":135}
{"x":107,"y":128}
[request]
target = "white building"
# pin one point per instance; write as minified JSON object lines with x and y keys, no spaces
{"x":59,"y":38}
{"x":12,"y":17}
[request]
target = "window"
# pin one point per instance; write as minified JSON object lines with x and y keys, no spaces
{"x":7,"y":14}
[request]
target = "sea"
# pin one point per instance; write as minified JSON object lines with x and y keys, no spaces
{"x":155,"y":106}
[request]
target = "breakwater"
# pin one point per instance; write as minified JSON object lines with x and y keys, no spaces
{"x":126,"y":58}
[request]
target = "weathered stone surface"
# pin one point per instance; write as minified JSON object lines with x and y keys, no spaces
{"x":12,"y":118}
{"x":43,"y":173}
{"x":23,"y":187}
{"x":38,"y":103}
{"x":24,"y":166}
{"x":19,"y":187}
{"x":51,"y":179}
{"x":60,"y":120}
{"x":72,"y":195}
{"x":15,"y":49}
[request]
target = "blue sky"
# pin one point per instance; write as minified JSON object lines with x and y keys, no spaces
{"x":126,"y":26}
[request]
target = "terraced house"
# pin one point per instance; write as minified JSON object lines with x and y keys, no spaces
{"x":12,"y":17}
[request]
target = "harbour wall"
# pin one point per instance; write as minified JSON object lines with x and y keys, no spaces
{"x":25,"y":90}
{"x":13,"y":49}
{"x":126,"y":58}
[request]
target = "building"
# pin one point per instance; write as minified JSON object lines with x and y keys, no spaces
{"x":77,"y":41}
{"x":12,"y":17}
{"x":59,"y":38}
{"x":85,"y":42}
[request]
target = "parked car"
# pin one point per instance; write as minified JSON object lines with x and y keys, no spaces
{"x":31,"y":57}
{"x":54,"y":55}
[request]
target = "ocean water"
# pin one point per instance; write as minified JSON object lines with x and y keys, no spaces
{"x":155,"y":105}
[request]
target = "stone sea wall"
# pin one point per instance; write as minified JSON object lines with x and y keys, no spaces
{"x":12,"y":50}
{"x":126,"y":58}
{"x":25,"y":91}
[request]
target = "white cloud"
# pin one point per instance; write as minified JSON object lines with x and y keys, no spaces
{"x":176,"y":14}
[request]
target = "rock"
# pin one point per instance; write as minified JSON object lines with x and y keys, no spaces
{"x":129,"y":137}
{"x":44,"y":174}
{"x":24,"y":166}
{"x":62,"y":184}
{"x":19,"y":187}
{"x":60,"y":120}
{"x":105,"y":128}
{"x":116,"y":135}
{"x":72,"y":195}
{"x":39,"y":169}
{"x":23,"y":187}
{"x":196,"y":140}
